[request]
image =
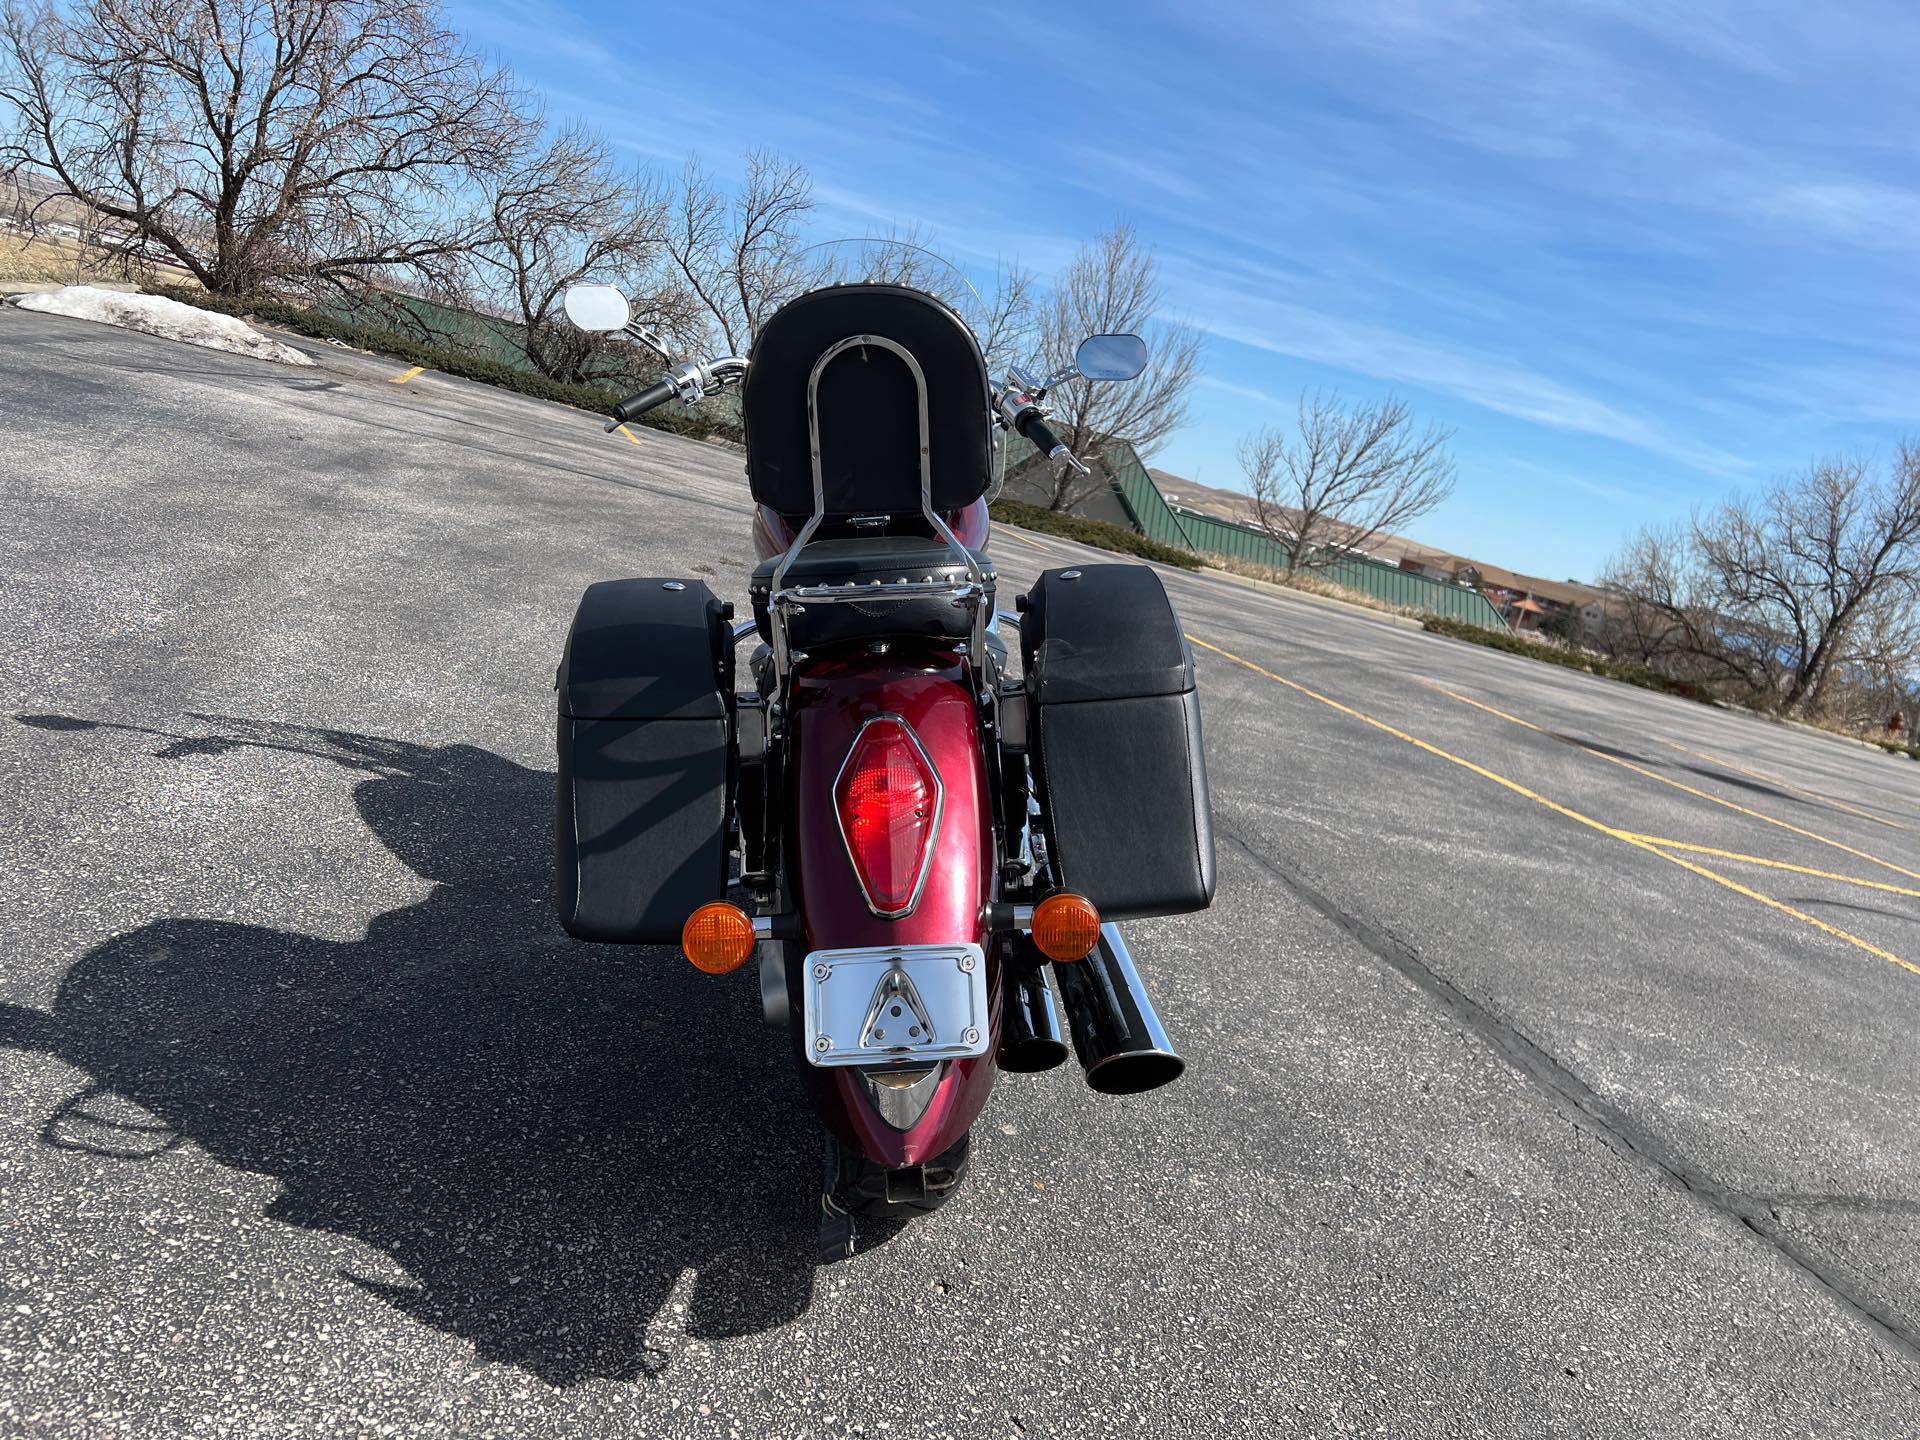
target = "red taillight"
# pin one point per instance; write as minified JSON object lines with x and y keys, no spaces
{"x":888,"y":797}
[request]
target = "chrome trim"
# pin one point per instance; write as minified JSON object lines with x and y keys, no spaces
{"x":901,"y":1097}
{"x":779,"y":598}
{"x":906,"y":356}
{"x":972,"y":594}
{"x":634,"y":330}
{"x":742,"y":629}
{"x":698,"y":378}
{"x":1151,"y":1040}
{"x":946,"y":985}
{"x":933,"y":836}
{"x":801,"y":596}
{"x":783,"y":657}
{"x":726,"y":370}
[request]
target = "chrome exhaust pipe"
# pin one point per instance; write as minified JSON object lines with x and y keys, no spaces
{"x":1030,"y":1037}
{"x":1116,"y":1034}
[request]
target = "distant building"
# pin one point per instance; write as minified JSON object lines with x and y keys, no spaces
{"x":1525,"y":602}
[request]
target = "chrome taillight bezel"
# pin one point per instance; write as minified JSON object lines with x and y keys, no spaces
{"x":933,"y":830}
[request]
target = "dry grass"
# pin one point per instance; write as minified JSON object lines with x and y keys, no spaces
{"x":49,"y":259}
{"x":1868,"y":735}
{"x":1309,"y":583}
{"x":43,"y":258}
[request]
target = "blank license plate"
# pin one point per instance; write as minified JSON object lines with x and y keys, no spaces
{"x":888,"y":1005}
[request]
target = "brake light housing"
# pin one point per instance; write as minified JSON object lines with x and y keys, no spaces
{"x":889,"y":799}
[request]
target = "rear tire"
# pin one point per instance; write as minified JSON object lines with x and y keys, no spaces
{"x":874,"y":1192}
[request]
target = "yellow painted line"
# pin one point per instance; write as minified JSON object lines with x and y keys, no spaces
{"x":1679,"y":785}
{"x":402,"y":379}
{"x":1783,"y":784}
{"x":1625,"y":837}
{"x":1030,"y":543}
{"x":628,"y":433}
{"x":1773,"y":864}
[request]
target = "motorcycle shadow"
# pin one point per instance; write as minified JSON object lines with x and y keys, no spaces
{"x":544,"y":1135}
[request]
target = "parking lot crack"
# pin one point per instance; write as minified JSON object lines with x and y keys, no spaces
{"x":1585,"y":1109}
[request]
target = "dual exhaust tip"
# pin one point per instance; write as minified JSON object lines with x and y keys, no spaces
{"x":1116,"y":1034}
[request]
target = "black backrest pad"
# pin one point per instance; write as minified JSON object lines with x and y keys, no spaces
{"x":641,"y":651}
{"x":869,"y":410}
{"x":1097,"y":632}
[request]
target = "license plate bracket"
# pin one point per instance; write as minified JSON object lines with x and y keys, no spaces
{"x":882,"y":1005}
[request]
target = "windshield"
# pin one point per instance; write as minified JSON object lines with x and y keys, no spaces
{"x":882,"y":260}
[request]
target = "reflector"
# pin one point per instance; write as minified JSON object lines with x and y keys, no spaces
{"x":888,"y":798}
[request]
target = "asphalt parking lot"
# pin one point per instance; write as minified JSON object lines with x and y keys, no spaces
{"x":1552,"y":1045}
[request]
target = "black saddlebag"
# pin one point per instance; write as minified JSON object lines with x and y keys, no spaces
{"x":1115,"y":741}
{"x":646,"y":741}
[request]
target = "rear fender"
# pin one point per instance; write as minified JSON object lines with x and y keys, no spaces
{"x":928,"y":689}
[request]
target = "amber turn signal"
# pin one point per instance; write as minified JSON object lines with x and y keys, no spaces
{"x":1065,"y":926}
{"x":718,"y":937}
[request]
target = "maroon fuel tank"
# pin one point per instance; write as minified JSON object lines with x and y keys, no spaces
{"x":926,"y":687}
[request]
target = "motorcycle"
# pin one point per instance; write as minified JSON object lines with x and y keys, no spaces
{"x":924,"y":837}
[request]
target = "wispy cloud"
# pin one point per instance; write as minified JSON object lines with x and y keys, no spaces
{"x":1492,"y":382}
{"x":1861,"y":211}
{"x":1589,"y":232}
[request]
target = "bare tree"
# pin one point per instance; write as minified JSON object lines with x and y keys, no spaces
{"x":742,"y":257}
{"x":261,"y":140}
{"x":564,"y":213}
{"x":1881,"y":668}
{"x":1008,"y":323}
{"x":1812,"y":584}
{"x":1113,"y":286}
{"x":1342,"y":476}
{"x":1667,"y":613}
{"x":1806,"y":561}
{"x":1004,"y":321}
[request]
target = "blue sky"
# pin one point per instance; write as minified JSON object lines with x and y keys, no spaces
{"x":1637,"y":253}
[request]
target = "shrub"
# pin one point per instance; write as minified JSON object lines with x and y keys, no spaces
{"x":1571,"y":657}
{"x":1569,"y":625}
{"x":1097,"y":533}
{"x":321,"y":326}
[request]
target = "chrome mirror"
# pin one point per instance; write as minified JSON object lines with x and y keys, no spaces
{"x":1110,"y":357}
{"x":597,"y":307}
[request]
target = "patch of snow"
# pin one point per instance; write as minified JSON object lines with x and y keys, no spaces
{"x":169,"y":319}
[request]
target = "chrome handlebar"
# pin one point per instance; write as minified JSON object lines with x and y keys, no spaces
{"x":1017,"y":403}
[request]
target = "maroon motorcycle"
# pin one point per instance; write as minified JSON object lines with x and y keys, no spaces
{"x":924,"y":834}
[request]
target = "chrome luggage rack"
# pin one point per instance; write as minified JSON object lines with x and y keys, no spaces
{"x":970,"y":594}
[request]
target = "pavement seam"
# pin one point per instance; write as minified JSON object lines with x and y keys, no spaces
{"x":1581,"y":1106}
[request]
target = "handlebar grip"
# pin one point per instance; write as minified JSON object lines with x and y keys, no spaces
{"x":634,"y":406}
{"x":1035,"y":429}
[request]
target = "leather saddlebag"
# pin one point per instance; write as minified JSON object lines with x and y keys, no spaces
{"x":1115,"y":741}
{"x":645,"y":748}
